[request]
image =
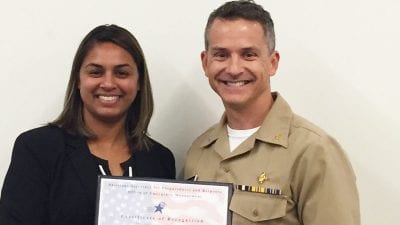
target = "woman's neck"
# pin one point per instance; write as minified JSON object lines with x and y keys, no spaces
{"x":110,"y":144}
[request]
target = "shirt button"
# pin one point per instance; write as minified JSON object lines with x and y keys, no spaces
{"x":226,"y":170}
{"x":255,"y":212}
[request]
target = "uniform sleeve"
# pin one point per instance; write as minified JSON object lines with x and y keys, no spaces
{"x":24,"y":197}
{"x":324,"y":186}
{"x":189,"y":169}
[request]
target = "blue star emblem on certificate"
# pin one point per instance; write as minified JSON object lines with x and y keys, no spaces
{"x":159,"y":207}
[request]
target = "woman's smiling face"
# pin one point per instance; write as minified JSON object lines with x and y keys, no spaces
{"x":108,"y":83}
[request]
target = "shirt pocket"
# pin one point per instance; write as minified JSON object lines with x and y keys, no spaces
{"x":258,"y":207}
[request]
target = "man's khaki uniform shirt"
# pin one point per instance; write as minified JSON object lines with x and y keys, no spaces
{"x":309,"y":177}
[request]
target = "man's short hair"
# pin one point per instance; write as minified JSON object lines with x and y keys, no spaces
{"x":244,"y":9}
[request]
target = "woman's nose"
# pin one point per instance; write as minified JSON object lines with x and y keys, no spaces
{"x":108,"y":81}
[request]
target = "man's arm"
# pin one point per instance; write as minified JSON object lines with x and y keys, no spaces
{"x":324,"y":186}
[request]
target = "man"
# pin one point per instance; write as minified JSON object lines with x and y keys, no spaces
{"x":285,"y":170}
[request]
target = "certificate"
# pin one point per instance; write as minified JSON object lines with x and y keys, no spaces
{"x":139,"y":201}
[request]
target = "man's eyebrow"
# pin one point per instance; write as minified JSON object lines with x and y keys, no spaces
{"x":249,"y":49}
{"x":218,"y":49}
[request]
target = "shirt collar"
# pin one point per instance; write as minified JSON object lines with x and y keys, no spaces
{"x":276,"y":126}
{"x":274,"y":129}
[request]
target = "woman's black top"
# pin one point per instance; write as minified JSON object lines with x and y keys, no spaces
{"x":52,"y":178}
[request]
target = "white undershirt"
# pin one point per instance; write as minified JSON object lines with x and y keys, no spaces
{"x":236,"y":137}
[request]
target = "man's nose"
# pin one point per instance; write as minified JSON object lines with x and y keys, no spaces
{"x":234,"y":66}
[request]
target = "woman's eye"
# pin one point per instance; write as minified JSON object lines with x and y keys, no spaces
{"x":122,"y":73}
{"x":95,"y":73}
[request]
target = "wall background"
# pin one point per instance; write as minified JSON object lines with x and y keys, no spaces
{"x":339,"y":68}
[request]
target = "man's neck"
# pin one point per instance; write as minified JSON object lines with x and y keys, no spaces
{"x":249,"y":116}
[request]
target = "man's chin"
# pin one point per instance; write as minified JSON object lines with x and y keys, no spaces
{"x":233,"y":103}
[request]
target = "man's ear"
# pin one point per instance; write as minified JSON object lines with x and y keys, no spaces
{"x":203,"y":57}
{"x":274,"y":62}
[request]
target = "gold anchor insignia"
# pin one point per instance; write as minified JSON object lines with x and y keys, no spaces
{"x":262,"y":178}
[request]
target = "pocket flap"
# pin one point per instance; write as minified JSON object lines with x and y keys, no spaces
{"x":258,"y":207}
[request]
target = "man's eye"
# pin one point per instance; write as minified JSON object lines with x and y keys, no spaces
{"x":219,"y":55}
{"x":250,"y":55}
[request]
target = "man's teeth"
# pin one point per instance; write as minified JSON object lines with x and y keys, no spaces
{"x":108,"y":98}
{"x":236,"y":83}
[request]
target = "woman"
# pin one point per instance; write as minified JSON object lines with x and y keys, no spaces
{"x":102,"y":129}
